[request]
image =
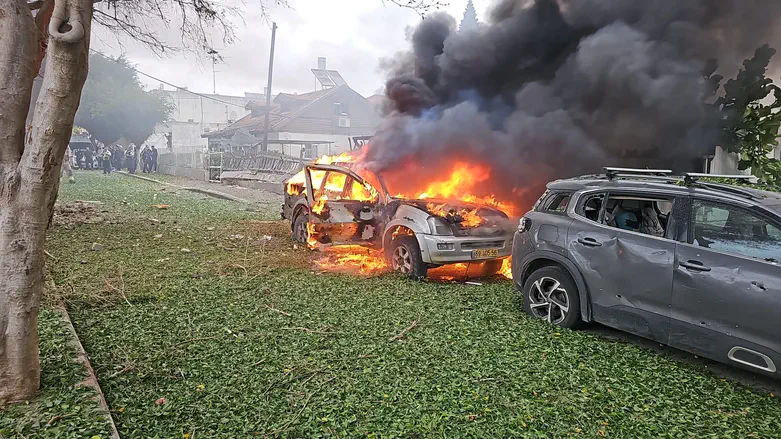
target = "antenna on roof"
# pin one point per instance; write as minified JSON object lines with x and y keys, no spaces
{"x":692,"y":177}
{"x":612,"y":173}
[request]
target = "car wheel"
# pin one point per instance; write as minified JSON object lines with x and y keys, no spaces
{"x":300,"y":231}
{"x":550,"y":294}
{"x":405,"y":257}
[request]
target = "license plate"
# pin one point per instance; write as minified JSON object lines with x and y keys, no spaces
{"x":485,"y":253}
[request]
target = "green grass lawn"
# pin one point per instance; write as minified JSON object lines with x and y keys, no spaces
{"x":60,"y":410}
{"x":235,"y":336}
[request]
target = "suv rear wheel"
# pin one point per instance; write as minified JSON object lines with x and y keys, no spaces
{"x":405,"y":258}
{"x":550,"y":294}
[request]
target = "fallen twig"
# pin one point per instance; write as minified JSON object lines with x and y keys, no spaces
{"x":121,"y":289}
{"x":50,"y":256}
{"x":311,"y":331}
{"x":270,"y":308}
{"x":55,"y":419}
{"x":260,"y":362}
{"x":193,"y":340}
{"x":127,"y":368}
{"x":404,"y":332}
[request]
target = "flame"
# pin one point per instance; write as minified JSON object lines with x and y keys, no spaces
{"x":460,"y":185}
{"x":467,"y":217}
{"x":507,"y":268}
{"x":352,"y":259}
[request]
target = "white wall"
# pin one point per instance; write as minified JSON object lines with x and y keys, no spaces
{"x":726,"y":163}
{"x":194,"y":115}
{"x":220,"y":109}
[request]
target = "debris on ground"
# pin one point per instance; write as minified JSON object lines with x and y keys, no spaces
{"x":185,"y":250}
{"x":158,"y":236}
{"x":161,"y":206}
{"x":96,"y":247}
{"x":78,"y":212}
{"x":210,"y":229}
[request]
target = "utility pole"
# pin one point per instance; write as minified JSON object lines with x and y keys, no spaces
{"x":266,"y":127}
{"x":214,"y":77}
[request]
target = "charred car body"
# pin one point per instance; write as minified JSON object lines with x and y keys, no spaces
{"x":687,"y":263}
{"x":335,"y":205}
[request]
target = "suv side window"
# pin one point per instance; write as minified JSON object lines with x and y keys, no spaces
{"x":735,"y":230}
{"x":557,"y":202}
{"x":649,"y":215}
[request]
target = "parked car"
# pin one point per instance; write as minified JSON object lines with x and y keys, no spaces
{"x":346,"y":209}
{"x":691,"y":264}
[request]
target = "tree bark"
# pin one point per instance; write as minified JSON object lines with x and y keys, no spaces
{"x":30,"y":171}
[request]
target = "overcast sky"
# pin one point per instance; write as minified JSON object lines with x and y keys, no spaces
{"x":352,"y":34}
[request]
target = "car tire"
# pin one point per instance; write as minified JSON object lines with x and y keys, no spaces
{"x":404,"y":257}
{"x":300,"y":231}
{"x":490,"y":268}
{"x":551,"y":295}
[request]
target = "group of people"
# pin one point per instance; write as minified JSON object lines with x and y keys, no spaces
{"x":113,"y":157}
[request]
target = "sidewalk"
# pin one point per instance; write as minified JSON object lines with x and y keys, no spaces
{"x":234,"y":193}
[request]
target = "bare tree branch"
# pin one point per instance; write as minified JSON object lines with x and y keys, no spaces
{"x":422,"y":7}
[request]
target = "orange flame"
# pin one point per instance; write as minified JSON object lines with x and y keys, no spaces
{"x":352,"y":259}
{"x":459,"y":185}
{"x":507,"y":268}
{"x":469,"y":217}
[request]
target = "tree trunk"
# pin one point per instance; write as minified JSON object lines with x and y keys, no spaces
{"x":30,"y":171}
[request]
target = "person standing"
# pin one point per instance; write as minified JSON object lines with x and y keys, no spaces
{"x":129,"y":160}
{"x":154,"y":159}
{"x":99,"y":155}
{"x":67,"y":169}
{"x":88,"y":158}
{"x":146,"y":158}
{"x":106,"y":161}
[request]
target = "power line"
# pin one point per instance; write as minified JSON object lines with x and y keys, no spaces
{"x":166,"y":82}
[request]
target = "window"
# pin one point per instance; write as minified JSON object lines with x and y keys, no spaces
{"x":359,"y":192}
{"x":333,"y":186}
{"x":638,"y":213}
{"x":557,"y":202}
{"x":592,"y":206}
{"x":735,"y":230}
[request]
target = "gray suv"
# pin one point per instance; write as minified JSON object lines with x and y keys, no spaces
{"x":691,"y":264}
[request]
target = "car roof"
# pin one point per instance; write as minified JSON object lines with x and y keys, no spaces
{"x":672,"y":186}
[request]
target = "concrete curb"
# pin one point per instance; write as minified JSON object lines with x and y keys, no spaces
{"x":92,"y":379}
{"x":212,"y":193}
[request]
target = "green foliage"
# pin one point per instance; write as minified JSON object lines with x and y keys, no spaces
{"x":228,"y":366}
{"x":114,"y":104}
{"x":61,"y":410}
{"x":751,"y":125}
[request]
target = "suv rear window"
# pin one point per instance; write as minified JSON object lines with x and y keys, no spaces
{"x":556,"y":202}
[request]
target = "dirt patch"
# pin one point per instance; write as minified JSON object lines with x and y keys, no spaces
{"x":74,"y":213}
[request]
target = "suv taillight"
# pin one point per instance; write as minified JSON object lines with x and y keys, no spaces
{"x":524,"y":224}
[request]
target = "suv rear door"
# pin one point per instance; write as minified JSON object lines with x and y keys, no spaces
{"x":727,"y":287}
{"x":628,"y":273}
{"x":344,"y":209}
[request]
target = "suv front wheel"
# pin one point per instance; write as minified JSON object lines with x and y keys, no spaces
{"x":550,"y":294}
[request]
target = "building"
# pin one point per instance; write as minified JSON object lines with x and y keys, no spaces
{"x":301,"y":125}
{"x":726,"y":163}
{"x":195,"y":114}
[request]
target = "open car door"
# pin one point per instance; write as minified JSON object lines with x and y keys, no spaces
{"x":344,"y":209}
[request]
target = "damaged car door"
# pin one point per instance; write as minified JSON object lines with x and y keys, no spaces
{"x":345,"y":209}
{"x":727,"y":286}
{"x":627,"y":268}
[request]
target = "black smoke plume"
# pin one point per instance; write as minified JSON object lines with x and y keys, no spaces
{"x":550,"y":89}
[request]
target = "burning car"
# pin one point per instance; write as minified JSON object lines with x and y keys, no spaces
{"x":335,"y":203}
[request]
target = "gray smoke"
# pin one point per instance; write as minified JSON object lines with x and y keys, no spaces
{"x":550,"y":89}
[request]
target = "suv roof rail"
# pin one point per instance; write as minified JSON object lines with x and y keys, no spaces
{"x":612,"y":172}
{"x":692,"y":177}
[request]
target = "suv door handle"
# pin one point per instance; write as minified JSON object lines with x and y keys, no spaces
{"x":695,"y":265}
{"x":589,"y":242}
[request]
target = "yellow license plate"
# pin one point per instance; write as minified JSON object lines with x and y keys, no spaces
{"x":485,"y":253}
